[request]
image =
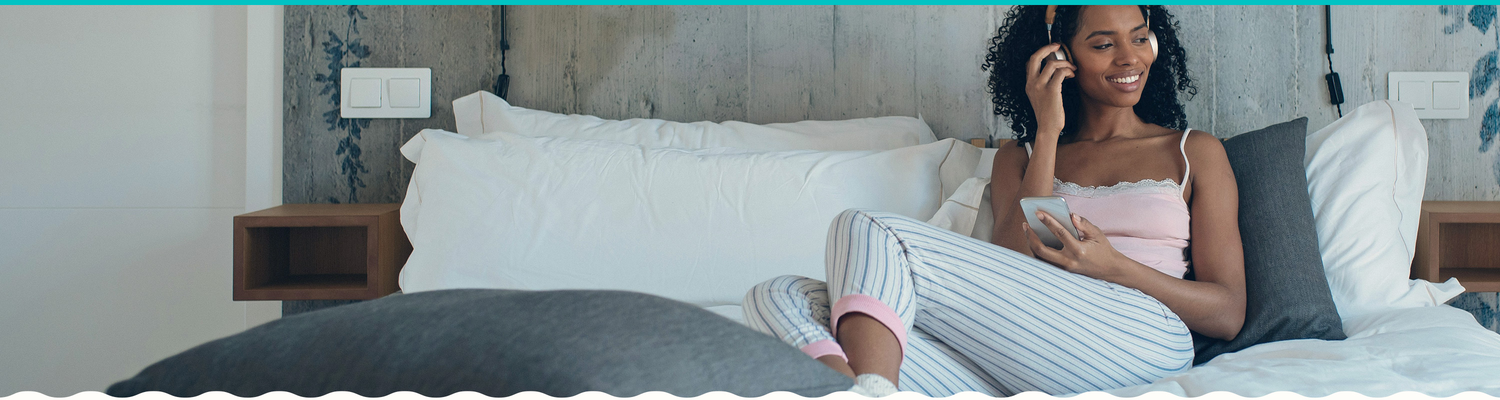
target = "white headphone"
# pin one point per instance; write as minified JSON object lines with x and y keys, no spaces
{"x":1063,"y":54}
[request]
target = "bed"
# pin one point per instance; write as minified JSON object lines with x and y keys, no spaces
{"x":699,"y":212}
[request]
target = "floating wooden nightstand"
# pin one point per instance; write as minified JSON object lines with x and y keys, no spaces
{"x":1459,"y":239}
{"x":319,"y":252}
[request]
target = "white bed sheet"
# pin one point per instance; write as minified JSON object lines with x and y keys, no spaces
{"x":1439,"y":351}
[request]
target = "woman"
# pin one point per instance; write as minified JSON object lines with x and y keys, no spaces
{"x":941,"y":313}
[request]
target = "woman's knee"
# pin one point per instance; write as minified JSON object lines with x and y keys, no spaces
{"x":856,"y":222}
{"x":760,"y":296}
{"x":841,"y":223}
{"x":862,"y":215}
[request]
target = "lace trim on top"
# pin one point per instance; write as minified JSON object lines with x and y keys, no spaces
{"x":1167,"y":186}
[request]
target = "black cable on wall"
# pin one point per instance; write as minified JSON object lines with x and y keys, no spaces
{"x":502,"y":82}
{"x":1335,"y":88}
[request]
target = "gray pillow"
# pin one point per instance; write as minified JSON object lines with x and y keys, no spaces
{"x":1286,"y":292}
{"x":498,"y":343}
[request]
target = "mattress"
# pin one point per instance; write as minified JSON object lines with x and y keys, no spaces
{"x":1439,"y":351}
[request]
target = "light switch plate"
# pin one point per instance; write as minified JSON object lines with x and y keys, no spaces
{"x":1434,"y":95}
{"x":413,"y":102}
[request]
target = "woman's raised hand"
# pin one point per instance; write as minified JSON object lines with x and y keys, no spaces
{"x":1090,"y":255}
{"x":1044,"y":88}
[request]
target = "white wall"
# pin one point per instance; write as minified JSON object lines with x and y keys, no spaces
{"x":263,"y":75}
{"x":124,"y":132}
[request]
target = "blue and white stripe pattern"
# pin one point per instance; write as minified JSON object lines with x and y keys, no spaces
{"x":977,"y":317}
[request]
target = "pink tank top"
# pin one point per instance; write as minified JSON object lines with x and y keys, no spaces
{"x":1146,"y":220}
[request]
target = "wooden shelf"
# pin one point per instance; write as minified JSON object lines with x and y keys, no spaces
{"x":319,"y":252}
{"x":331,"y":281}
{"x":1459,"y":239}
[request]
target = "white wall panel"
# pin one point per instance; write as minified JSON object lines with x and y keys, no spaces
{"x":92,"y":296}
{"x":125,"y":159}
{"x":137,"y":106}
{"x":263,"y":118}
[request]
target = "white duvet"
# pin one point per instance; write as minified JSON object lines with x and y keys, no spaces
{"x":1439,"y":351}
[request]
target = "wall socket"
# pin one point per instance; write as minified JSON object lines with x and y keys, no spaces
{"x":1434,"y":95}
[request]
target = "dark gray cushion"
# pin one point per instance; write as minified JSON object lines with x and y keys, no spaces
{"x":1286,"y":291}
{"x":498,"y":343}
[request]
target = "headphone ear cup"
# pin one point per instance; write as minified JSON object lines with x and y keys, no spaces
{"x":1152,"y":38}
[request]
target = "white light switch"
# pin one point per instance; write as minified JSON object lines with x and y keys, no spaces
{"x":385,"y":93}
{"x":404,"y":92}
{"x":364,"y":93}
{"x":1450,"y":95}
{"x":1433,"y":95}
{"x":1418,"y":93}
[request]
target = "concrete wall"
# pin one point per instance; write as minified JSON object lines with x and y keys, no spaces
{"x":333,"y":160}
{"x":1254,"y":66}
{"x":124,"y":162}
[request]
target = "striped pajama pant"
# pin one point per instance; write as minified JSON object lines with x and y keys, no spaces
{"x":973,"y":316}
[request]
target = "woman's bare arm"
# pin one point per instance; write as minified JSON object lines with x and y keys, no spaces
{"x":1044,"y":78}
{"x":1213,"y":304}
{"x":1016,"y":176}
{"x":1006,"y":176}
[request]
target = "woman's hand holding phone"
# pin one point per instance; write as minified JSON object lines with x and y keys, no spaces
{"x":1089,"y":255}
{"x":1044,"y":78}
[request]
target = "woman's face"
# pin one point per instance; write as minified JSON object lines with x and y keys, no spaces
{"x":1112,"y":54}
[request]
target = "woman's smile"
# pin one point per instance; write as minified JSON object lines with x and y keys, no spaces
{"x":1128,"y":81}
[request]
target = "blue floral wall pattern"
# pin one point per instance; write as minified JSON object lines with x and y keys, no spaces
{"x":328,"y":159}
{"x":1484,"y":76}
{"x":1484,"y":306}
{"x":337,"y":51}
{"x":1486,"y":69}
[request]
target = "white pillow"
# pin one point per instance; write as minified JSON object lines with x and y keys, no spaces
{"x":984,"y":226}
{"x":702,"y":226}
{"x":986,"y":162}
{"x":1365,"y":175}
{"x":967,"y":209}
{"x":483,"y":112}
{"x":961,"y":211}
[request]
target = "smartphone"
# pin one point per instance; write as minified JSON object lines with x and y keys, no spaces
{"x":1053,"y":206}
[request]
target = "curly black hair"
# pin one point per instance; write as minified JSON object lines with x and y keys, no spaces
{"x":1024,"y":31}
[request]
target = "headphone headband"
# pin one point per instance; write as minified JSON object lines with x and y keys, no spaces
{"x":1051,"y":15}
